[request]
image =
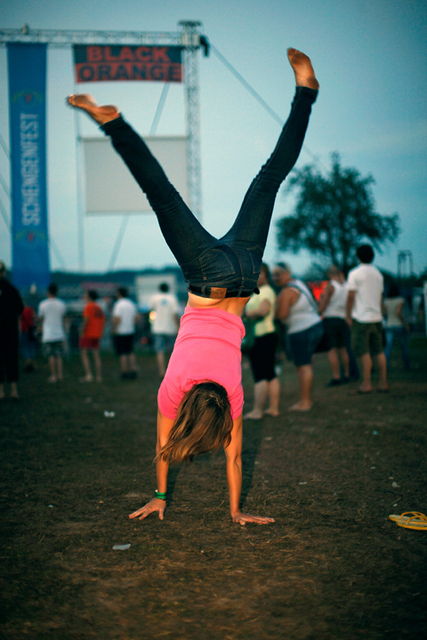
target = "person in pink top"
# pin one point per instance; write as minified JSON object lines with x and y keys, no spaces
{"x":200,"y":400}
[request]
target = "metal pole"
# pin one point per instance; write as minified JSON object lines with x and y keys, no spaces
{"x":191,"y":44}
{"x":79,"y":194}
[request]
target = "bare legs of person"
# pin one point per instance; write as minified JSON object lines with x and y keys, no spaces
{"x":305,"y":379}
{"x":88,"y":377}
{"x":381,"y":363}
{"x":161,"y":363}
{"x":13,"y":391}
{"x":265,"y":390}
{"x":56,"y":369}
{"x":273,"y":398}
{"x":128,"y":365}
{"x":335,"y":356}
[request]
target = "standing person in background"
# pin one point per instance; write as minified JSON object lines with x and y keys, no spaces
{"x":51,"y":313}
{"x":28,"y":337}
{"x":90,"y":335}
{"x":165,"y":324}
{"x":261,"y":308}
{"x":297,"y":308}
{"x":396,"y":326}
{"x":364,"y":315}
{"x":332,"y":308}
{"x":124,"y":316}
{"x":11,"y":307}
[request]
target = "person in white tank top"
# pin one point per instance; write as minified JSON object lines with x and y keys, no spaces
{"x":296,"y":308}
{"x":332,"y":308}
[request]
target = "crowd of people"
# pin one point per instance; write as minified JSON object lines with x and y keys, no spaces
{"x":24,"y":331}
{"x":353,"y":322}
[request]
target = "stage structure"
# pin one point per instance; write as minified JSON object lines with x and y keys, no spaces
{"x":101,"y":47}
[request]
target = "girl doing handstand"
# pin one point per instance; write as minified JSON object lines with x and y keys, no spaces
{"x":200,"y":400}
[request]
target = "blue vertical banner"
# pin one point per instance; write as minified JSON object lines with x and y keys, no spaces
{"x":27,"y":111}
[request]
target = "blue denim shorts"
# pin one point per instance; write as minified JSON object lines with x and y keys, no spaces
{"x":225,"y":266}
{"x":302,"y":345}
{"x":163,"y":342}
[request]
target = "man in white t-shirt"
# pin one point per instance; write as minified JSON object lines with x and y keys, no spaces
{"x":124,"y":316}
{"x":165,"y":324}
{"x":364,"y":315}
{"x":51,"y":315}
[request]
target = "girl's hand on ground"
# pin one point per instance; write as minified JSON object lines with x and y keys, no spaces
{"x":243,"y":518}
{"x":151,"y":507}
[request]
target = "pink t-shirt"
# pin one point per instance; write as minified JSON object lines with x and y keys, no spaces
{"x":208,"y":347}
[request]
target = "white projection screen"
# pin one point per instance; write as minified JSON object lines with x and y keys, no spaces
{"x":109,"y":185}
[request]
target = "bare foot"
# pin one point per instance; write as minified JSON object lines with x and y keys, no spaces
{"x":364,"y":389}
{"x":252,"y":415}
{"x":86,"y":379}
{"x":301,"y":406}
{"x":52,"y":379}
{"x":14,"y":390}
{"x":270,"y":412}
{"x":304,"y":72}
{"x":101,"y":114}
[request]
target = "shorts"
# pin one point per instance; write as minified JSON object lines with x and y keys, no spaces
{"x":55,"y":348}
{"x":89,"y":343}
{"x":335,"y":330}
{"x":366,"y":337}
{"x":123,"y":344}
{"x":302,"y":344}
{"x":163,"y":342}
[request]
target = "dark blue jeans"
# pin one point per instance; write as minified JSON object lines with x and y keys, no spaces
{"x":232,"y":262}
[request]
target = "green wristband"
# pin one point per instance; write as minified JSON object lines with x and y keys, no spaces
{"x":159,"y":495}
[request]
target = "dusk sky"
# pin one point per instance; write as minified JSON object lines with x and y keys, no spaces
{"x":370,"y":58}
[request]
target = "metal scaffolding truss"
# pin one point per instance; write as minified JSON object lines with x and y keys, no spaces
{"x":191,"y":42}
{"x":189,"y":38}
{"x":57,"y":38}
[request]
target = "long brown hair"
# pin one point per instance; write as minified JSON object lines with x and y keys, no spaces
{"x":203,"y":423}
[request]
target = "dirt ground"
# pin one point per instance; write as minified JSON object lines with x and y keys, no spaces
{"x":332,"y":566}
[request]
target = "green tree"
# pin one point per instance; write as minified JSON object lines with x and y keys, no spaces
{"x":333,"y":215}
